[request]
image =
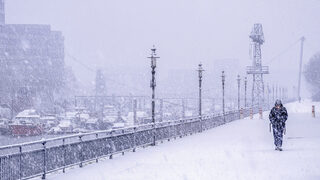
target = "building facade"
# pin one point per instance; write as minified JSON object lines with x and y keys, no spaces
{"x":31,"y":64}
{"x":2,"y":12}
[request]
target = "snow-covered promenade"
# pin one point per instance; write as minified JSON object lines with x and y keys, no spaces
{"x":242,"y":149}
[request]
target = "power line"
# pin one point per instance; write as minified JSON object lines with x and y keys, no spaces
{"x":79,"y":62}
{"x":282,"y":52}
{"x":94,"y":71}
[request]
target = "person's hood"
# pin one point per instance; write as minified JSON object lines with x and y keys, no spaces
{"x":278,"y":102}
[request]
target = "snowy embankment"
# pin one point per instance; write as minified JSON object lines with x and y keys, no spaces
{"x":242,"y":149}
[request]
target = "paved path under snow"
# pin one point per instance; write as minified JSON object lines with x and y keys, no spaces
{"x":239,"y":150}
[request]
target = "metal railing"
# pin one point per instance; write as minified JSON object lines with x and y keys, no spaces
{"x":38,"y":158}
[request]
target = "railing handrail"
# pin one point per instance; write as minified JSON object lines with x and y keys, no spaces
{"x":83,"y":147}
{"x":113,"y":130}
{"x":88,"y":134}
{"x":108,"y":131}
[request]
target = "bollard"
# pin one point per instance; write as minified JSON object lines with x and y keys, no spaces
{"x":260,"y":113}
{"x":251,"y":113}
{"x":313,"y":112}
{"x":241,"y":113}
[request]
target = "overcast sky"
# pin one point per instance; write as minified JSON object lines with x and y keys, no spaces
{"x":119,"y":34}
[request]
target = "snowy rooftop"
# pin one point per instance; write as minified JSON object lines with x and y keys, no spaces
{"x":29,"y":113}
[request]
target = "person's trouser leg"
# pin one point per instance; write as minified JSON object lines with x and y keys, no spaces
{"x":278,"y":135}
{"x":275,"y":136}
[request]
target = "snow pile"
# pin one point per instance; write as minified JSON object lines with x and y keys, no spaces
{"x":304,"y":107}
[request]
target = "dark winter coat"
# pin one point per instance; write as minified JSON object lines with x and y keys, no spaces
{"x":278,"y":117}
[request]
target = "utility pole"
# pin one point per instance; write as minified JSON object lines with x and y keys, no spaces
{"x":183,"y":109}
{"x":223,"y":78}
{"x":161,"y":110}
{"x":268,"y":91}
{"x":153,"y":58}
{"x":277,"y":91}
{"x":135,"y":112}
{"x":200,"y":70}
{"x":273,"y":93}
{"x":213,"y":105}
{"x":238,"y":80}
{"x":245,"y":91}
{"x":300,"y":67}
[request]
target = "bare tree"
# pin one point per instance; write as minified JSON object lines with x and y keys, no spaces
{"x":312,"y":75}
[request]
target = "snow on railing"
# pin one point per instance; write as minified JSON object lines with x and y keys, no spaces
{"x":38,"y":158}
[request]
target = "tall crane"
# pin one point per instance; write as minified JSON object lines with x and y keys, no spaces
{"x":257,"y":70}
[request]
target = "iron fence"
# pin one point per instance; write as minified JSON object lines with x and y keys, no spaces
{"x":28,"y":160}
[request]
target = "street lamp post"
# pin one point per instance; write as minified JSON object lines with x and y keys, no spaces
{"x":223,"y":80}
{"x":183,"y":109}
{"x":200,"y":70}
{"x":245,"y":91}
{"x":273,"y":93}
{"x":277,"y":91}
{"x":153,"y":58}
{"x":268,"y":94}
{"x":238,"y":80}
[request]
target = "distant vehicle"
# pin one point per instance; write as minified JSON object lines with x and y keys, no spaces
{"x":92,"y":124}
{"x":66,"y":126}
{"x":118,"y":125}
{"x":49,"y":121}
{"x":55,"y":130}
{"x":140,"y":115}
{"x":80,"y":130}
{"x":27,"y":123}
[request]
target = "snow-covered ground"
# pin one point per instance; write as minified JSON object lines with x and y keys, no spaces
{"x":242,"y":149}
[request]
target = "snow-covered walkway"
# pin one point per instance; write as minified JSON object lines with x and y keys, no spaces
{"x":239,"y":150}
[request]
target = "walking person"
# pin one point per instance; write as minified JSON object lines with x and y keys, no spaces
{"x":278,"y":117}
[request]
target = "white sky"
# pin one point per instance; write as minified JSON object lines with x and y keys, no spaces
{"x":118,"y":34}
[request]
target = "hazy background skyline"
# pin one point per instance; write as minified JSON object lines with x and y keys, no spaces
{"x":116,"y":36}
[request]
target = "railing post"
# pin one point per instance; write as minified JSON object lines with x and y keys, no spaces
{"x":97,"y":149}
{"x":251,"y":113}
{"x":201,"y":128}
{"x":20,"y":163}
{"x":111,"y":155}
{"x":64,"y":155}
{"x":260,"y":113}
{"x":81,"y":155}
{"x":313,"y":111}
{"x":154,"y":134}
{"x":134,"y":139}
{"x":169,"y":131}
{"x":44,"y":160}
{"x":182,"y":124}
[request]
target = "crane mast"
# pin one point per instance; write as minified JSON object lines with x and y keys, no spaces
{"x":257,"y":70}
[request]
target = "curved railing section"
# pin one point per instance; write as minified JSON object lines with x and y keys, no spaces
{"x":38,"y":158}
